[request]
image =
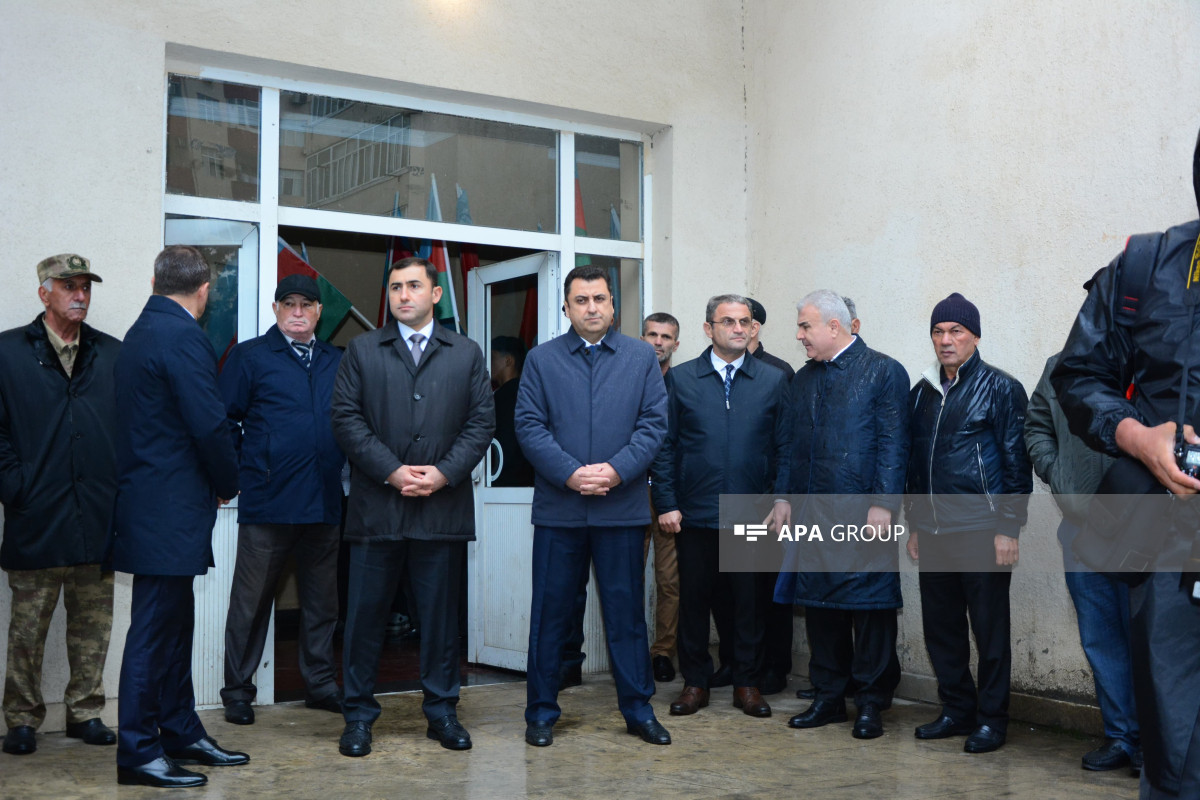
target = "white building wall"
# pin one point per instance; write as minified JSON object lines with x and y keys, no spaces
{"x":1005,"y":149}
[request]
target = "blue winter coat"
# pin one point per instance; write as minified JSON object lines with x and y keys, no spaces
{"x":289,"y":463}
{"x":849,"y":437}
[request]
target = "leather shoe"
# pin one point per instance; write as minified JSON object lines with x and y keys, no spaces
{"x":984,"y":739}
{"x":330,"y":702}
{"x":664,"y":670}
{"x":539,"y":734}
{"x":722,"y":677}
{"x":751,"y":702}
{"x":449,"y":732}
{"x":1111,"y":755}
{"x":821,"y":712}
{"x":869,"y":724}
{"x":690,"y":700}
{"x":356,"y":739}
{"x":239,"y":712}
{"x":807,"y":694}
{"x":772,"y":682}
{"x":571,"y":676}
{"x":91,"y":731}
{"x":206,"y":751}
{"x":162,"y":772}
{"x":20,"y":741}
{"x":651,"y":731}
{"x":941,"y":728}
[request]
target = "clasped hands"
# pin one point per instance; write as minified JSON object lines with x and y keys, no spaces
{"x":593,"y":479}
{"x":417,"y":481}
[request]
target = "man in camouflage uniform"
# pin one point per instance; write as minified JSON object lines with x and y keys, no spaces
{"x":57,"y":483}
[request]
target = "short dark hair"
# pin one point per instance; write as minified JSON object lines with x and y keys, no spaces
{"x":431,"y":271}
{"x":587,"y":272}
{"x":180,"y":270}
{"x":717,"y":300}
{"x":510,"y":346}
{"x":660,"y":318}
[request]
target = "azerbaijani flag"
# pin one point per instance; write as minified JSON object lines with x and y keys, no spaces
{"x":580,"y":222}
{"x":334,"y":305}
{"x":435,"y":251}
{"x":468,"y":256}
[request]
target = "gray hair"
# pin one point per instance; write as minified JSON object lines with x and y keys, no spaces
{"x":713,"y":302}
{"x":850,"y":307}
{"x":48,"y":284}
{"x":829,"y":304}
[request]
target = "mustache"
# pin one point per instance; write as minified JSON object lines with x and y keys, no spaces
{"x":80,"y":306}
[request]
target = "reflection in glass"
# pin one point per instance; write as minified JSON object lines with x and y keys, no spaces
{"x":608,"y":188}
{"x":366,"y":158}
{"x":212,"y":139}
{"x":220,"y":319}
{"x":512,"y":326}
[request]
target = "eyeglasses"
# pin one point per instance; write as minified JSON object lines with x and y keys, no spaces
{"x":727,"y":323}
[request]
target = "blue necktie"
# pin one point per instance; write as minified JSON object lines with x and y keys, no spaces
{"x":303,"y":352}
{"x":728,"y":382}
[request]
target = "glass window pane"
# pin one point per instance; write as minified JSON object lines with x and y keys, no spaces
{"x":384,"y":161}
{"x":212,"y":139}
{"x":626,"y":277}
{"x":608,"y":188}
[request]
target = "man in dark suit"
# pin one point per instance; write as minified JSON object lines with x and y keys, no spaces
{"x":413,"y":411}
{"x":175,"y":465}
{"x":278,"y":387}
{"x":591,"y":414}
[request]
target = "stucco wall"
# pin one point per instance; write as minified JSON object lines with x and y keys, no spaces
{"x":900,"y":151}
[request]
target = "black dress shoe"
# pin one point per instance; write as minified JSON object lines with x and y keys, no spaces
{"x":821,"y":712}
{"x":206,"y":751}
{"x":722,"y":677}
{"x":942,"y":728}
{"x":1111,"y":755}
{"x":772,"y":683}
{"x":91,"y":731}
{"x":161,"y":772}
{"x":571,"y":676}
{"x":664,"y":670}
{"x":449,"y":732}
{"x":869,"y":723}
{"x":651,"y":731}
{"x":356,"y":739}
{"x":20,"y":741}
{"x":984,"y":739}
{"x":539,"y":734}
{"x":1135,"y":764}
{"x":807,"y":694}
{"x":239,"y":712}
{"x":330,"y":702}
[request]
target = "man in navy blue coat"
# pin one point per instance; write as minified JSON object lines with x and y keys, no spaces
{"x":591,"y":415}
{"x":278,"y":387}
{"x":175,"y":465}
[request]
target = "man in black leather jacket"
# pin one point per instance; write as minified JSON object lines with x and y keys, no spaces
{"x":969,"y":481}
{"x":1102,"y":357}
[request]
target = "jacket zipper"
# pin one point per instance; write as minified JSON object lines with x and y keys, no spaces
{"x":983,"y":476}
{"x":932,"y":449}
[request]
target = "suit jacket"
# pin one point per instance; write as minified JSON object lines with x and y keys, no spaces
{"x":388,"y":412}
{"x":291,"y":467}
{"x":175,"y":453}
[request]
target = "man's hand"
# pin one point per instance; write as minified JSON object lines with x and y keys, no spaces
{"x":781,"y":514}
{"x":670,"y":521}
{"x":593,"y":479}
{"x":425,"y":480}
{"x":1008,"y":550}
{"x":1155,"y":447}
{"x":912,"y":547}
{"x":402,"y":478}
{"x":879,"y":518}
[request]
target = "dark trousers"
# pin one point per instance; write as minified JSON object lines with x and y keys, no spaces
{"x":560,"y":567}
{"x":262,"y":553}
{"x":435,"y":572}
{"x":573,"y":655}
{"x":156,"y":707}
{"x":851,"y":647}
{"x":777,"y":641}
{"x":702,"y":587}
{"x":947,"y":600}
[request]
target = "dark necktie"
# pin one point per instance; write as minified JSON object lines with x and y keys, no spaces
{"x":728,"y":382}
{"x":303,"y":352}
{"x":414,"y":346}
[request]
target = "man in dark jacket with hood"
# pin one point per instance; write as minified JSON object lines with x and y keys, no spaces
{"x":969,"y":481}
{"x":58,"y":480}
{"x":849,"y":418}
{"x":1105,"y":353}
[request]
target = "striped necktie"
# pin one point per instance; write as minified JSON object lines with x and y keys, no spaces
{"x":303,"y":352}
{"x":728,"y":382}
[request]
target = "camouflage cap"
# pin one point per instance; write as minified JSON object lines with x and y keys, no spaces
{"x":65,"y":265}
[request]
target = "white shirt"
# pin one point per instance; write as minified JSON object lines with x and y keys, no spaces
{"x":407,"y":332}
{"x":844,"y":349}
{"x":719,"y":363}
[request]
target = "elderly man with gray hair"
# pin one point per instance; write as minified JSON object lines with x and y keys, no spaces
{"x":849,"y":436}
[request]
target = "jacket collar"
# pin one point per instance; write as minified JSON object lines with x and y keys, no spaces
{"x":391,"y":337}
{"x":933,"y":375}
{"x":35,"y":332}
{"x":165,"y":305}
{"x":575,"y":342}
{"x":703,"y":365}
{"x":852,"y":353}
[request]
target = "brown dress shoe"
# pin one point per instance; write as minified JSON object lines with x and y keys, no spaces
{"x":751,"y":702}
{"x":690,"y":700}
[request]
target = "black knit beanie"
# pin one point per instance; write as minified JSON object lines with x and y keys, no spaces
{"x":956,"y":308}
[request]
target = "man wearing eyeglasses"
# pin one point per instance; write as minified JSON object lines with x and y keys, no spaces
{"x":967,"y":427}
{"x":726,"y":434}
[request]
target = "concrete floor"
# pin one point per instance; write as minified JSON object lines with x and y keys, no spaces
{"x":719,"y":753}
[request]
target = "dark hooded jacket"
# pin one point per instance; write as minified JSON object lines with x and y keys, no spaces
{"x":58,"y":476}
